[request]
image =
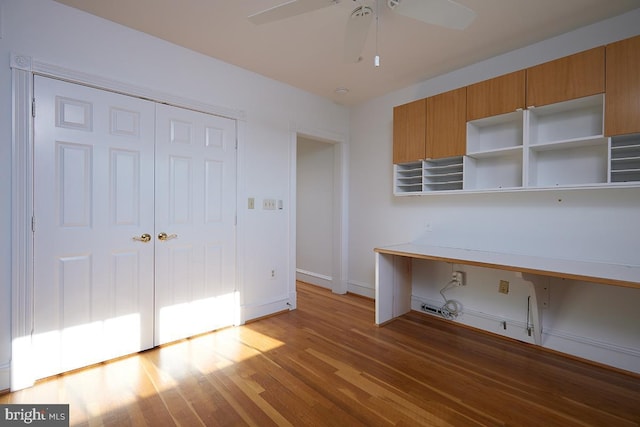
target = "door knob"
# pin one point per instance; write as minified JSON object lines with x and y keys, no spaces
{"x":164,"y":236}
{"x":143,"y":238}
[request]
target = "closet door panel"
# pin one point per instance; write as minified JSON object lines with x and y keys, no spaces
{"x":93,"y":197}
{"x":195,"y":209}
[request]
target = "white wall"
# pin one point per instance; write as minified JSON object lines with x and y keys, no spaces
{"x":55,"y":34}
{"x":591,"y":321}
{"x":314,"y":214}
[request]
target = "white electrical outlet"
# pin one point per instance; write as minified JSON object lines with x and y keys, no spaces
{"x":458,"y":276}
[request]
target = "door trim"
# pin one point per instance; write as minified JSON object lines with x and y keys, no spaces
{"x":339,"y":280}
{"x":23,"y":68}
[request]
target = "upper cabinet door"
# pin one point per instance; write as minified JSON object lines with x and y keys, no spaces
{"x":574,"y":76}
{"x":447,"y":124}
{"x":496,"y":96}
{"x":409,"y":130}
{"x":622,"y":102}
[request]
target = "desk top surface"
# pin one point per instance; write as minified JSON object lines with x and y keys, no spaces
{"x":599,"y":272}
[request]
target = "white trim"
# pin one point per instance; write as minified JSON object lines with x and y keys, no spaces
{"x":312,"y":274}
{"x":36,"y":67}
{"x":293,"y":188}
{"x":255,"y":311}
{"x":566,"y":336}
{"x":21,"y":236}
{"x":317,"y":279}
{"x":361,"y":288}
{"x":340,"y":214}
{"x":1,"y":24}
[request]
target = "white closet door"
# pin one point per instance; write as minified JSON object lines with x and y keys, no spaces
{"x":93,"y":186}
{"x":195,"y":208}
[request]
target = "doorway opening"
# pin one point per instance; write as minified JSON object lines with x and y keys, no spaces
{"x":320,"y":254}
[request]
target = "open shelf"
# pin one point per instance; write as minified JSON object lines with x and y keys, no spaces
{"x":501,"y":170}
{"x":570,"y":120}
{"x":495,"y":133}
{"x":569,"y":164}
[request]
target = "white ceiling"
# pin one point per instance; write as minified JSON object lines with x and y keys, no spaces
{"x":306,"y":51}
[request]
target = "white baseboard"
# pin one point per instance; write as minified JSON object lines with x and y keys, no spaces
{"x":360,"y":288}
{"x":606,"y":353}
{"x":250,"y":312}
{"x":564,"y":342}
{"x":316,"y":279}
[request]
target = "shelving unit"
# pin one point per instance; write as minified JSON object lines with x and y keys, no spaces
{"x":625,"y":158}
{"x":494,"y":152}
{"x":556,"y":146}
{"x":566,"y":144}
{"x":428,"y":175}
{"x":408,"y":178}
{"x":443,"y":174}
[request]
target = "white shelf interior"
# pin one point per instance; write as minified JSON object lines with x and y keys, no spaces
{"x":569,"y":164}
{"x":495,"y":133}
{"x":503,"y":169}
{"x":569,"y":120}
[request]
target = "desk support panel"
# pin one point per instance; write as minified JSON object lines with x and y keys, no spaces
{"x":393,"y":286}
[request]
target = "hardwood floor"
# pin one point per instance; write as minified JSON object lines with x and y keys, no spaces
{"x":326,"y":363}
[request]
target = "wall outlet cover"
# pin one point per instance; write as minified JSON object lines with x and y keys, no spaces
{"x":503,"y":288}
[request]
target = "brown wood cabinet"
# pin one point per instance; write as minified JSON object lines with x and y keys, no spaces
{"x":622,"y":102}
{"x":574,"y":76}
{"x":447,"y":124}
{"x":496,"y":96}
{"x":409,"y":131}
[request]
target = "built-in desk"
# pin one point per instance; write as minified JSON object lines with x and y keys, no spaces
{"x":394,"y":278}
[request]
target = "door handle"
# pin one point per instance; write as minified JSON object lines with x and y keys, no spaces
{"x":164,"y":236}
{"x":143,"y":238}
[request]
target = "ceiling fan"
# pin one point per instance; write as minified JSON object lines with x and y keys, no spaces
{"x":444,"y":13}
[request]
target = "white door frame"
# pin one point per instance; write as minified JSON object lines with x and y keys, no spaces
{"x":339,"y":281}
{"x":23,"y":68}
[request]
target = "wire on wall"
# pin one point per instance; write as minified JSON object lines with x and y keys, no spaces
{"x":451,"y":308}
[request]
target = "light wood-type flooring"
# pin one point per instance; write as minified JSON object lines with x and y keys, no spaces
{"x":327,"y":364}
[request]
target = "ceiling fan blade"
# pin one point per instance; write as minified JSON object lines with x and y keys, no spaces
{"x":356,"y":34}
{"x":288,"y":9}
{"x":445,"y":13}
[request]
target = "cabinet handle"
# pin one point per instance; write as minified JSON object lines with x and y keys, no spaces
{"x":164,"y":236}
{"x":143,"y":238}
